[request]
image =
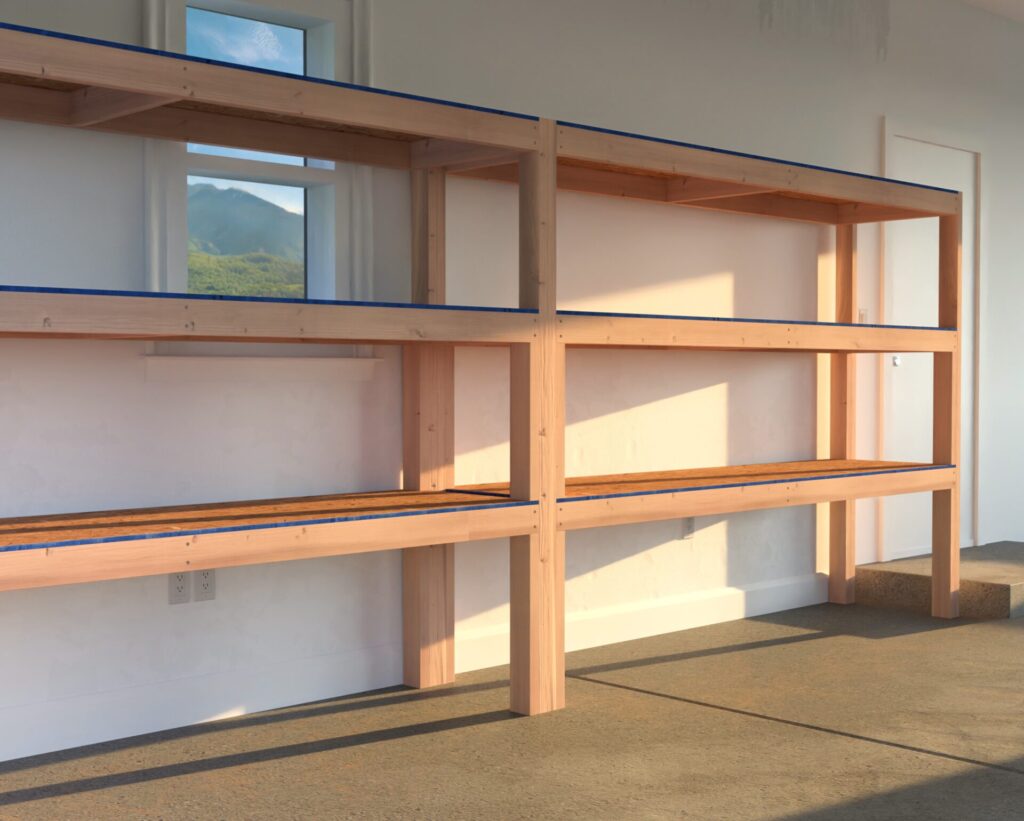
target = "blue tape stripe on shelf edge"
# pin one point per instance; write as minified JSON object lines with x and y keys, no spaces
{"x":77,"y":38}
{"x":749,"y":156}
{"x":744,"y":319}
{"x":269,"y":526}
{"x":749,"y":484}
{"x":468,"y":106}
{"x":32,"y":289}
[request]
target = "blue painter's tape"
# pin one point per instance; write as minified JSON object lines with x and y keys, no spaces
{"x":32,"y":289}
{"x":748,"y":156}
{"x":749,"y":484}
{"x":268,"y":526}
{"x":191,"y":59}
{"x":762,"y":321}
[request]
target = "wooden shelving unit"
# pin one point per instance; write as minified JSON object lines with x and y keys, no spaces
{"x":69,"y":81}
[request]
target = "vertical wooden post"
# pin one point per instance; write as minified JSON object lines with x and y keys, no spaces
{"x":428,"y":399}
{"x":946,"y":430}
{"x":842,"y":440}
{"x":537,"y":562}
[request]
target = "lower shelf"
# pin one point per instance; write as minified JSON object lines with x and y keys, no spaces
{"x":44,"y":551}
{"x":51,"y":550}
{"x":596,"y":501}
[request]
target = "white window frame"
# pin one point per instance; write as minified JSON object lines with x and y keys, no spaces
{"x":339,"y":243}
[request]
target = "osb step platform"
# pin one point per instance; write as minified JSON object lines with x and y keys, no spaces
{"x":991,"y":582}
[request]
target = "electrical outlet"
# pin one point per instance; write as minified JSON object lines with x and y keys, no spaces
{"x":205,"y":583}
{"x":179,"y":588}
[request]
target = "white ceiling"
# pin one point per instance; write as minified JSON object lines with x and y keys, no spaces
{"x":1013,"y":9}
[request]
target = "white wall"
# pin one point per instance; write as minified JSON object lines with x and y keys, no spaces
{"x":89,"y":431}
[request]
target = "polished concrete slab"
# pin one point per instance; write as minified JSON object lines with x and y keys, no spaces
{"x":826,"y":712}
{"x":991,"y":582}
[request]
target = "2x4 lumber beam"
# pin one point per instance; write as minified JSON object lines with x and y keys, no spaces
{"x":610,"y":330}
{"x":692,"y":189}
{"x":537,"y":414}
{"x":91,"y":106}
{"x":454,"y":157}
{"x":633,"y":509}
{"x":624,"y":152}
{"x":73,"y":564}
{"x":428,"y":409}
{"x":55,"y":315}
{"x":49,"y":107}
{"x":773,"y":205}
{"x":842,"y":425}
{"x":87,"y":64}
{"x":946,"y":429}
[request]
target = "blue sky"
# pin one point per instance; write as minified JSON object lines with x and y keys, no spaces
{"x":247,"y":42}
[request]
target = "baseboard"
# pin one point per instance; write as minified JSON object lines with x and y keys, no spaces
{"x":46,"y":726}
{"x":489,"y":646}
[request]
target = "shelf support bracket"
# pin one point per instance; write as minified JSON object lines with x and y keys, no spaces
{"x":428,"y":433}
{"x":92,"y":106}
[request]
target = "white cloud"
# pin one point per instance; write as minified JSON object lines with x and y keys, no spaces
{"x":259,"y":45}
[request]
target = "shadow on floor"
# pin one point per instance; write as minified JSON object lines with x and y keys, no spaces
{"x":204,"y":765}
{"x":822,"y":621}
{"x":970,"y":795}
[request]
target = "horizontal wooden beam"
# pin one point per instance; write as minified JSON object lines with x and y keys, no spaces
{"x":773,"y":205}
{"x":619,"y":152}
{"x":55,"y":315}
{"x":586,"y":180}
{"x":610,"y":330}
{"x":620,"y":510}
{"x":453,"y":156}
{"x":857,"y":213}
{"x":91,"y":106}
{"x":72,"y":564}
{"x":247,"y":93}
{"x":692,"y":189}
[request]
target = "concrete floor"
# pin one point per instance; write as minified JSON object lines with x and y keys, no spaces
{"x":820,"y":713}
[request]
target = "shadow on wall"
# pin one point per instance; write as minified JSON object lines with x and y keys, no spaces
{"x":637,"y":410}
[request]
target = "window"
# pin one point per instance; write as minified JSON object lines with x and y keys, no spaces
{"x":315,"y":221}
{"x":246,"y":234}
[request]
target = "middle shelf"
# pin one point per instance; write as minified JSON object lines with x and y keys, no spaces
{"x":62,"y":313}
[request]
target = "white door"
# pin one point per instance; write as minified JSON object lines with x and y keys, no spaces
{"x":911,"y":298}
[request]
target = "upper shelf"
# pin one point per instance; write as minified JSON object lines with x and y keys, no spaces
{"x":61,"y":79}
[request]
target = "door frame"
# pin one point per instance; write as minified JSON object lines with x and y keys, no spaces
{"x":894,"y":128}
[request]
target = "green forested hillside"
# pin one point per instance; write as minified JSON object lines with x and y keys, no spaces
{"x":245,"y":275}
{"x":242,"y":245}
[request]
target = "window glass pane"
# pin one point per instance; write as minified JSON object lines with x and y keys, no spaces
{"x":244,"y":154}
{"x":247,"y":42}
{"x":231,"y":39}
{"x":246,"y":238}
